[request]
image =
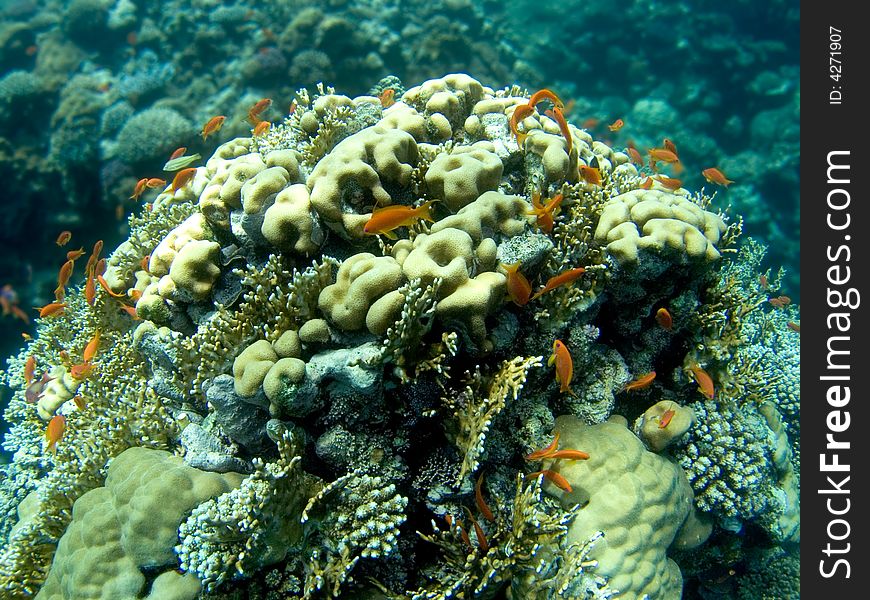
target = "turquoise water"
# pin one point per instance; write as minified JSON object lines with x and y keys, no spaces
{"x":95,"y":95}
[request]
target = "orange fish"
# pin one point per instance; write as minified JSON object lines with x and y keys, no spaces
{"x":762,"y":281}
{"x":716,"y":176}
{"x":143,"y":264}
{"x":647,"y":184}
{"x":482,"y":506}
{"x":51,"y":310}
{"x":33,"y":392}
{"x":478,"y":531}
{"x":64,"y":273}
{"x":666,"y":417}
{"x":91,"y":349}
{"x":780,"y":301}
{"x":670,"y":182}
{"x":155,"y":182}
{"x":642,"y":382}
{"x":292,"y":108}
{"x":590,"y":123}
{"x":63,"y":238}
{"x":664,"y":319}
{"x":616,"y":125}
{"x":562,"y":278}
{"x":54,"y":431}
{"x":140,"y":187}
{"x":255,"y":111}
{"x":130,"y":311}
{"x":520,"y":112}
{"x":546,"y":452}
{"x":105,"y":286}
{"x":545,"y":212}
{"x":79,"y":402}
{"x":635,"y":156}
{"x":182,"y":178}
{"x":178,"y":152}
{"x":704,"y":381}
{"x":135,"y":295}
{"x":385,"y":220}
{"x":29,"y":369}
{"x":554,"y":477}
{"x":213,"y":126}
{"x":663,"y":155}
{"x":98,"y":247}
{"x":564,"y":366}
{"x":261,"y":128}
{"x":557,"y":115}
{"x":590,"y":174}
{"x":81,"y":371}
{"x":546,"y":95}
{"x":90,"y":287}
{"x":31,"y":50}
{"x":74,"y":255}
{"x":796,"y":327}
{"x":669,"y":145}
{"x":518,"y":287}
{"x":387,"y":97}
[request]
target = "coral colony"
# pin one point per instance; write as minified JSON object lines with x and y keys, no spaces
{"x":423,"y":344}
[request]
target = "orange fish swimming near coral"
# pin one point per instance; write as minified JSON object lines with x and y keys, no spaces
{"x":545,"y":212}
{"x":563,"y":278}
{"x":553,"y":477}
{"x":664,"y":319}
{"x":590,"y":175}
{"x":561,"y":357}
{"x":51,"y":310}
{"x":54,"y":431}
{"x":546,"y":94}
{"x":518,"y":287}
{"x":213,"y":126}
{"x":385,"y":220}
{"x":387,"y":97}
{"x":257,"y":109}
{"x":642,"y":382}
{"x":63,"y":237}
{"x":262,"y":128}
{"x":140,"y":187}
{"x":520,"y":112}
{"x":716,"y":176}
{"x":616,"y":125}
{"x":704,"y":381}
{"x":182,"y":178}
{"x":91,"y":349}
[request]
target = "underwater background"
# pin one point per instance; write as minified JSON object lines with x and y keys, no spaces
{"x":95,"y":95}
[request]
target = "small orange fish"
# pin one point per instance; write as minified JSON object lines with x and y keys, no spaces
{"x":647,"y":184}
{"x":563,"y":278}
{"x":104,"y":284}
{"x":132,"y":38}
{"x":387,"y":97}
{"x":79,"y":402}
{"x":520,"y":112}
{"x":213,"y":126}
{"x":669,"y":145}
{"x":704,"y":381}
{"x":63,"y":238}
{"x":554,"y":477}
{"x":716,"y":176}
{"x":261,"y":128}
{"x":74,"y":255}
{"x":563,"y":127}
{"x":564,"y":366}
{"x":130,"y":311}
{"x":796,"y":327}
{"x":54,"y":431}
{"x":29,"y":369}
{"x":664,"y":319}
{"x":155,"y":182}
{"x":100,"y":269}
{"x":670,"y":182}
{"x":546,"y":95}
{"x":140,"y":187}
{"x":642,"y":382}
{"x":33,"y":392}
{"x":478,"y":531}
{"x":616,"y":125}
{"x":98,"y":247}
{"x":90,"y":287}
{"x":569,"y":455}
{"x":31,"y":50}
{"x":51,"y":310}
{"x":666,"y":417}
{"x":545,"y":212}
{"x":292,"y":108}
{"x":780,"y":301}
{"x":635,"y":156}
{"x":762,"y":282}
{"x":178,"y":152}
{"x":257,"y":109}
{"x":663,"y":155}
{"x":91,"y":349}
{"x":482,"y":506}
{"x":518,"y":287}
{"x":385,"y":220}
{"x":590,"y":174}
{"x":135,"y":294}
{"x":545,"y":452}
{"x":64,"y":274}
{"x":182,"y":178}
{"x":81,"y":371}
{"x":590,"y":123}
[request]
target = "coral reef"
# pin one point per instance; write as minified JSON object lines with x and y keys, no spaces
{"x":326,"y":338}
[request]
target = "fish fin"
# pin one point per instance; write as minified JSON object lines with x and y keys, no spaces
{"x":425,"y":211}
{"x":390,"y":235}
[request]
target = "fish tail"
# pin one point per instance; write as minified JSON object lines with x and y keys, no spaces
{"x":424,"y":211}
